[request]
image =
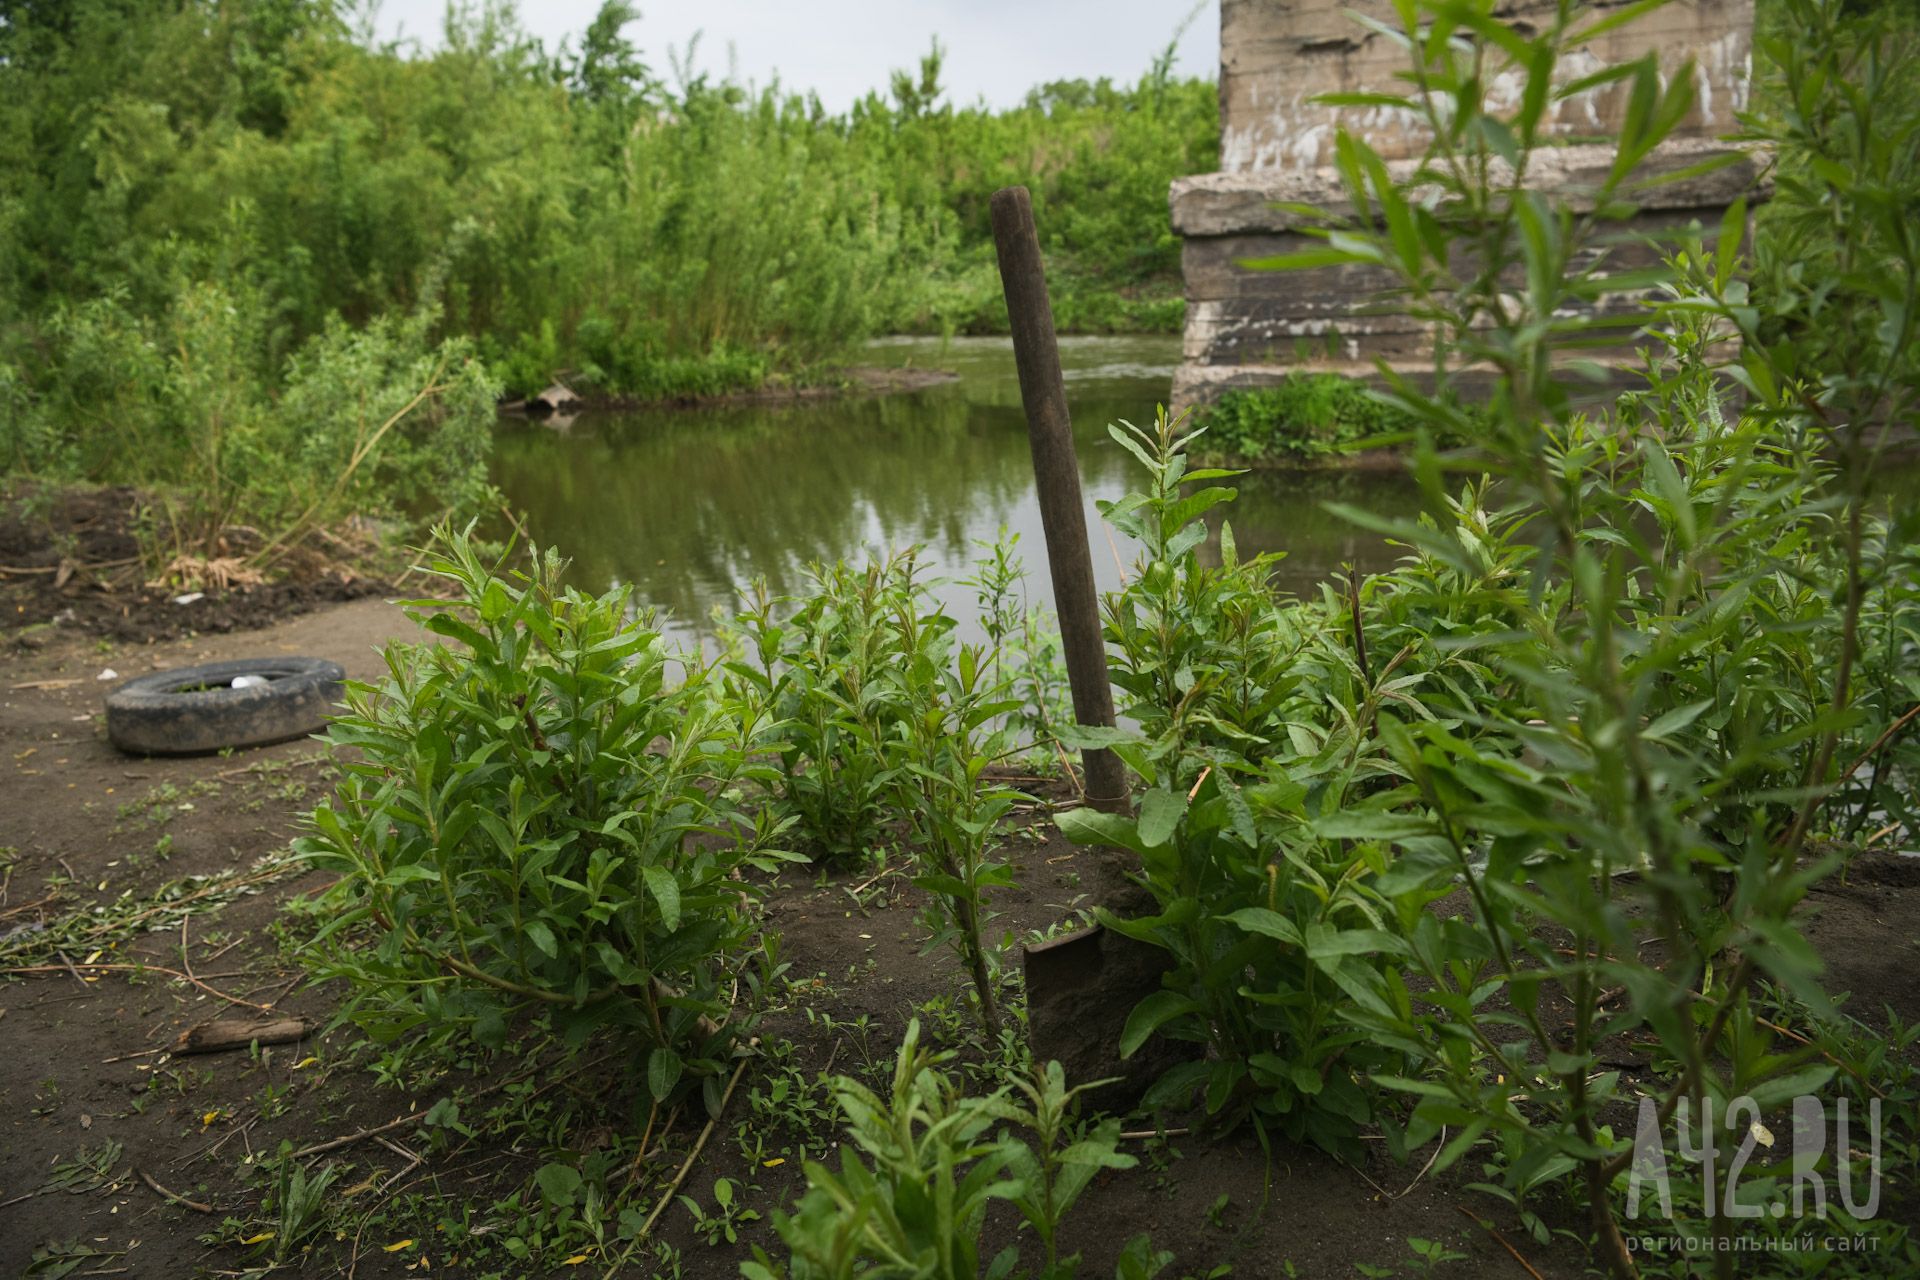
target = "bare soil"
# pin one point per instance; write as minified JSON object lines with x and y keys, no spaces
{"x":85,"y":1061}
{"x":70,"y":559}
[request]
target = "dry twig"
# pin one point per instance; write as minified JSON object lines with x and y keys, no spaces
{"x":1502,"y":1239}
{"x":685,"y":1169}
{"x":177,"y":1199}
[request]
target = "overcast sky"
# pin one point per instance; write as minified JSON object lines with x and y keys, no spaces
{"x":996,"y":49}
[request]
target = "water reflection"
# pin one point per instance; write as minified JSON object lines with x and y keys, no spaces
{"x":689,"y":503}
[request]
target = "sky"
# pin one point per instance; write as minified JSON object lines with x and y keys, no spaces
{"x":996,"y":49}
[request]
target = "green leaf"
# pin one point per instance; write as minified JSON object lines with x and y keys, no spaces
{"x":1093,"y":737}
{"x":1160,"y":814}
{"x":1150,"y":1014}
{"x":1270,"y":923}
{"x":663,"y":1072}
{"x":666,"y":892}
{"x":1323,"y":942}
{"x":1677,"y":719}
{"x":558,"y":1183}
{"x":1090,"y":826}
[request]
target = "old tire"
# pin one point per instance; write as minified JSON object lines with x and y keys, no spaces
{"x":194,"y":710}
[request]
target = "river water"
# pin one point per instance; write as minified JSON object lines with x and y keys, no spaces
{"x":689,"y":504}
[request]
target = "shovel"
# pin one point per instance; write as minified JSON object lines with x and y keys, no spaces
{"x":1082,"y":986}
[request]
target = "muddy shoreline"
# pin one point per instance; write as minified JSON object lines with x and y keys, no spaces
{"x":857,"y":380}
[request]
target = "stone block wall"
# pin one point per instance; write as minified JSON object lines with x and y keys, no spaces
{"x":1246,"y":327}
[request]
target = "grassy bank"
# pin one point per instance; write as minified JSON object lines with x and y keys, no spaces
{"x":1309,"y":418}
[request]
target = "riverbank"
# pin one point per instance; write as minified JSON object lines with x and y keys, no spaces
{"x":777,"y":389}
{"x":72,"y":564}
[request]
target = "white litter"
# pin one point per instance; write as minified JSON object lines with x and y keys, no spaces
{"x":190,"y":597}
{"x":107,"y":673}
{"x":249,"y":682}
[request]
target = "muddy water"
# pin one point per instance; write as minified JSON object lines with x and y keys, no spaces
{"x":686,"y":504}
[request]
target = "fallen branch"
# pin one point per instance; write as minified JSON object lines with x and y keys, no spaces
{"x":297,"y":979}
{"x":685,"y":1169}
{"x":1503,"y":1241}
{"x":414,"y":1159}
{"x":1881,"y":741}
{"x":219,"y":1037}
{"x":211,"y":1148}
{"x":352,"y":1138}
{"x":1393,"y":1195}
{"x":28,"y":906}
{"x":75,"y":972}
{"x":856,"y":890}
{"x":54,"y":568}
{"x":162,"y":1191}
{"x":113,"y":925}
{"x":295,"y":763}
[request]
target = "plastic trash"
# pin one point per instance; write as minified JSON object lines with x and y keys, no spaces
{"x":249,"y":682}
{"x":107,"y":673}
{"x":190,"y":597}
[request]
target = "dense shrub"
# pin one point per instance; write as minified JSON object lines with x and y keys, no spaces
{"x":383,"y":421}
{"x":1614,"y":711}
{"x":571,"y":209}
{"x":1305,"y":418}
{"x":537,"y":817}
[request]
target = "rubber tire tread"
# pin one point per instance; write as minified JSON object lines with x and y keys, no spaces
{"x":165,"y":714}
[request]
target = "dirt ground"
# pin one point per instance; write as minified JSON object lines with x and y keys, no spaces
{"x":70,"y":558}
{"x":85,"y":1061}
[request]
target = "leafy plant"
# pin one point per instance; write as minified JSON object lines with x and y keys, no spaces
{"x":949,"y":740}
{"x":918,"y":1207}
{"x":89,"y":1170}
{"x":1305,"y":418}
{"x":1429,"y":1255}
{"x":536,"y":820}
{"x":1141,"y":1261}
{"x":1257,"y":741}
{"x":1674,"y":693}
{"x":297,"y":1204}
{"x":726,"y":1217}
{"x":826,"y":683}
{"x":57,"y":1258}
{"x":1053,"y":1176}
{"x":1024,"y":642}
{"x":875,"y":714}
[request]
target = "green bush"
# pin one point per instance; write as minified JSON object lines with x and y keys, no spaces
{"x":827,"y":677}
{"x":1258,"y":738}
{"x":572,"y":208}
{"x":381,"y":421}
{"x":1307,"y":417}
{"x":877,"y":717}
{"x":534,"y":818}
{"x":1667,"y":693}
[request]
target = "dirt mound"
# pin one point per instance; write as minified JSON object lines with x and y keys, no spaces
{"x":72,"y":558}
